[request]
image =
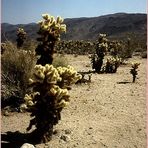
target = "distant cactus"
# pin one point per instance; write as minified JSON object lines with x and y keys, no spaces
{"x":49,"y":31}
{"x":78,"y":47}
{"x":21,"y":36}
{"x":111,"y":65}
{"x":101,"y":48}
{"x":134,"y":71}
{"x":115,"y":48}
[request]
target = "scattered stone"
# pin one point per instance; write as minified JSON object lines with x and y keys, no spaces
{"x":27,"y":145}
{"x":65,"y":138}
{"x":67,"y":131}
{"x":6,"y":113}
{"x":56,"y":132}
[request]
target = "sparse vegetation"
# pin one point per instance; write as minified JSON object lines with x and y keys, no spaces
{"x":38,"y":76}
{"x":60,"y":60}
{"x":16,"y":69}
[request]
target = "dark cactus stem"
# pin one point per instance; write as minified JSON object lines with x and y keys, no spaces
{"x":134,"y":73}
{"x":101,"y":48}
{"x":98,"y":65}
{"x":134,"y":78}
{"x":99,"y":61}
{"x":45,"y":118}
{"x":42,"y":135}
{"x":46,"y":51}
{"x":19,"y":42}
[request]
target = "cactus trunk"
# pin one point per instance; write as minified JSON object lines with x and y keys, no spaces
{"x":42,"y":135}
{"x":98,"y":64}
{"x":134,"y":78}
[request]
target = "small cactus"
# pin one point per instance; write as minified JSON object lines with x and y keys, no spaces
{"x":111,"y":65}
{"x":134,"y":71}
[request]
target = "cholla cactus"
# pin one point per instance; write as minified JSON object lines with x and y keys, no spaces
{"x":49,"y":97}
{"x":97,"y":59}
{"x":80,"y":47}
{"x":49,"y":85}
{"x":114,"y":48}
{"x":21,"y":36}
{"x":112,"y":65}
{"x":49,"y":31}
{"x":133,"y":71}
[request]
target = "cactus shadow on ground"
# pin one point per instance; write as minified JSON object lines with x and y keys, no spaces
{"x":123,"y":82}
{"x":16,"y":139}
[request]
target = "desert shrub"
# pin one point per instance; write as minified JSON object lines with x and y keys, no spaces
{"x":132,"y":44}
{"x":3,"y":47}
{"x":60,"y":60}
{"x":121,"y":49}
{"x":144,"y":54}
{"x":16,"y":68}
{"x":30,"y":45}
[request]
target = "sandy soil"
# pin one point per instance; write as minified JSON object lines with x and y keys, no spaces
{"x":109,"y":112}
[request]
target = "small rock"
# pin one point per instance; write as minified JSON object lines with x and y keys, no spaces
{"x":67,"y":131}
{"x":65,"y":138}
{"x":56,"y":132}
{"x":27,"y":145}
{"x":6,"y":113}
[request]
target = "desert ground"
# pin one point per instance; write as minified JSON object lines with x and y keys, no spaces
{"x":108,"y":112}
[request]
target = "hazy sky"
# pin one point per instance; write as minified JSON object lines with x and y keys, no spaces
{"x":28,"y":11}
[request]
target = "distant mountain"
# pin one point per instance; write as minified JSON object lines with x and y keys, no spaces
{"x":114,"y":25}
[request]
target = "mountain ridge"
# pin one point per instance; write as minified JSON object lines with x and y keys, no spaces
{"x":116,"y":25}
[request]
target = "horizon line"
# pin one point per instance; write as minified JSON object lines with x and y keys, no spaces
{"x":78,"y":17}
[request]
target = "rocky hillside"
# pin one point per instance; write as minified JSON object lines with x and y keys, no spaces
{"x":115,"y":25}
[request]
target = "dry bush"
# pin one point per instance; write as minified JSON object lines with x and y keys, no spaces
{"x":60,"y":60}
{"x":16,"y":66}
{"x":144,"y":54}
